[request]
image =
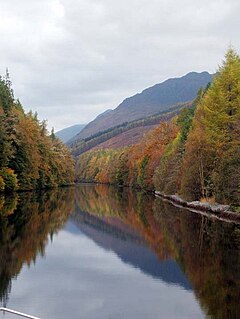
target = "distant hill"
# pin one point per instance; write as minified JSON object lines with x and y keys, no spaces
{"x":127,"y":138}
{"x":67,"y":133}
{"x":125,"y":134}
{"x":152,"y":100}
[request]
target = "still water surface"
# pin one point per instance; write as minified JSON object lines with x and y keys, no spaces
{"x":98,"y":252}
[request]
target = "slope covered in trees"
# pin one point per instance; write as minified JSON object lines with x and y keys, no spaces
{"x":196,"y":154}
{"x":130,"y":137}
{"x":124,"y":132}
{"x":133,"y":165}
{"x":30,"y":158}
{"x":153,"y":100}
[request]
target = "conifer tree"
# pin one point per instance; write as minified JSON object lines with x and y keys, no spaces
{"x":212,"y":161}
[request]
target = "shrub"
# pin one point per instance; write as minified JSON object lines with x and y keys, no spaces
{"x":2,"y":184}
{"x":10,"y":179}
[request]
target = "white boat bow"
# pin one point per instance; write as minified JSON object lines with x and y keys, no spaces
{"x":21,"y":314}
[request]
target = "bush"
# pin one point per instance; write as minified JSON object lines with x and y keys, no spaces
{"x":10,"y":179}
{"x":2,"y":184}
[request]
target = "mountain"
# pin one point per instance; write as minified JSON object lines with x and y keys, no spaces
{"x":125,"y":134}
{"x":67,"y":133}
{"x":155,"y":99}
{"x":103,"y":113}
{"x":126,"y":138}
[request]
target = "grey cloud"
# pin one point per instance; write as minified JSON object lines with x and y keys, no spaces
{"x":78,"y":58}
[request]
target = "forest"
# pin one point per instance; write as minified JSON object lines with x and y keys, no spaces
{"x":30,"y":157}
{"x":195,"y":155}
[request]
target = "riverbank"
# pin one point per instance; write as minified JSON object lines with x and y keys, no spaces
{"x":218,"y":211}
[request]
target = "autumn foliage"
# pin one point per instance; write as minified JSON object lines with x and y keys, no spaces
{"x":196,"y":154}
{"x":212,"y":157}
{"x":134,"y":165}
{"x":30,"y":158}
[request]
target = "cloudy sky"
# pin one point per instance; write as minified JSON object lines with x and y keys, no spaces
{"x":69,"y":60}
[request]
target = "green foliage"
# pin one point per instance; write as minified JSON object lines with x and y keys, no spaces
{"x":121,"y":175}
{"x":167,"y":174}
{"x":6,"y":93}
{"x":184,"y":121}
{"x":10,"y":181}
{"x":143,"y":172}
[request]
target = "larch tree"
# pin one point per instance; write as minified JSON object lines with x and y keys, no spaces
{"x":212,"y":160}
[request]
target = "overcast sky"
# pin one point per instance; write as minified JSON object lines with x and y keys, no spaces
{"x":69,"y":60}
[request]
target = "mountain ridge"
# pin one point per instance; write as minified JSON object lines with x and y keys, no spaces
{"x":150,"y":101}
{"x":124,"y":134}
{"x":69,"y":132}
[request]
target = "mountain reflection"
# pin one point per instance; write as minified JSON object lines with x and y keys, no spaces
{"x":169,"y":244}
{"x":129,"y":247}
{"x":208,"y":251}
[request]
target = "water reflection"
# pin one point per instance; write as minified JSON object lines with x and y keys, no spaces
{"x":115,"y":254}
{"x":208,"y":251}
{"x":26,"y":228}
{"x":112,"y":234}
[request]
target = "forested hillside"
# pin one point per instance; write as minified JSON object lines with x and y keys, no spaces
{"x":123,"y":134}
{"x":196,"y":154}
{"x":158,"y":98}
{"x":30,"y":157}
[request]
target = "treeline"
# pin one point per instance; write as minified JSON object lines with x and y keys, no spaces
{"x":133,"y":165}
{"x":30,"y":157}
{"x":195,"y":155}
{"x":79,"y":147}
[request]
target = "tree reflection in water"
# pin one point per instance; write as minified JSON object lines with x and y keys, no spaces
{"x":207,"y":251}
{"x":27,"y":222}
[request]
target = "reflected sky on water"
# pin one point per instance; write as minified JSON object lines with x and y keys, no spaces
{"x":104,"y":254}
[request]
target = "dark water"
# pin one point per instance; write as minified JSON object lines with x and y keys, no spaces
{"x":100,"y":252}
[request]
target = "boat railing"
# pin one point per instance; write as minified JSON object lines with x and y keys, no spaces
{"x":21,"y":314}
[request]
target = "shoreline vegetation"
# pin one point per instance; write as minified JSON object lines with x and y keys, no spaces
{"x":195,"y":155}
{"x":218,"y":211}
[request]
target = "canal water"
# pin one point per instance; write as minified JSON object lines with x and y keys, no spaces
{"x":100,"y":252}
